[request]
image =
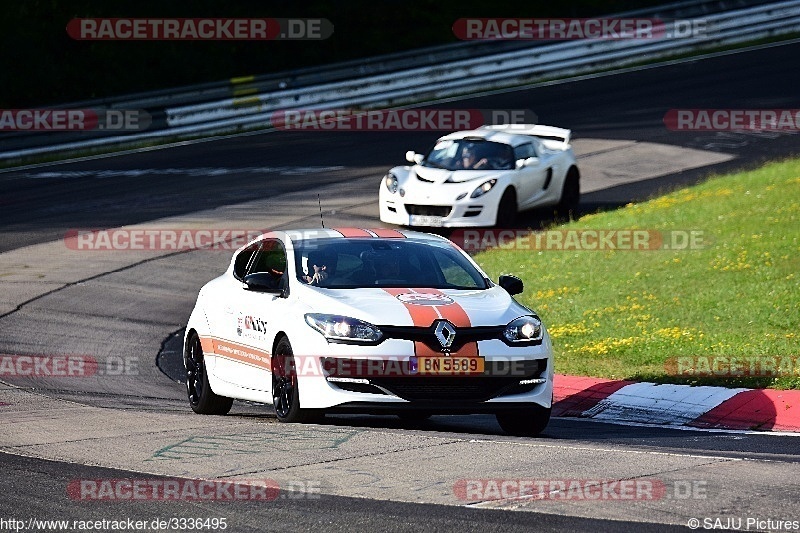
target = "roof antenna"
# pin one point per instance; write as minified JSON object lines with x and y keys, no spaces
{"x":320,"y":211}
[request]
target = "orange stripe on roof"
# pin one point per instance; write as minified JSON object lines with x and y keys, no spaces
{"x":387,"y":233}
{"x":354,"y":232}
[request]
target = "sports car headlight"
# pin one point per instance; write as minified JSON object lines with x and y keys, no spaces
{"x":484,"y":187}
{"x":524,"y":329}
{"x":343,"y":329}
{"x":390,"y":180}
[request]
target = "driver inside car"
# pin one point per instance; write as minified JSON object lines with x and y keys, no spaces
{"x":387,"y":267}
{"x":469,"y":160}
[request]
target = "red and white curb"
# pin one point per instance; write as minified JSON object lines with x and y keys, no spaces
{"x":676,"y":405}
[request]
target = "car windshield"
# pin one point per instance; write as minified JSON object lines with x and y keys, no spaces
{"x":365,"y":262}
{"x":470,"y":154}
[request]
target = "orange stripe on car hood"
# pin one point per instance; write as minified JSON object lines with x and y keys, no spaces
{"x":424,"y":315}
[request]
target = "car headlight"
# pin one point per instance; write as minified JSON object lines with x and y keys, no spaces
{"x":338,"y":328}
{"x":484,"y":187}
{"x":390,"y":180}
{"x":524,"y":329}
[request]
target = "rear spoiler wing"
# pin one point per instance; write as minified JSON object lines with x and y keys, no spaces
{"x":546,"y":133}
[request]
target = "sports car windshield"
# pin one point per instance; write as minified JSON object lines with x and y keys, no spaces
{"x":470,"y":154}
{"x":364,"y":262}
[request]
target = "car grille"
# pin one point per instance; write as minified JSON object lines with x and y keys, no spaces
{"x":428,"y":335}
{"x":451,"y":388}
{"x":428,"y":210}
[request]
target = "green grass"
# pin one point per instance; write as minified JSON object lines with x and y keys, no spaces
{"x":626,"y":314}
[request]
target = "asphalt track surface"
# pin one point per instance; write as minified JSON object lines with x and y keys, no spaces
{"x":25,"y":477}
{"x":627,"y":106}
{"x":38,"y":209}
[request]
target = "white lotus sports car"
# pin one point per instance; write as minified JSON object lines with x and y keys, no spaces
{"x":483,"y":177}
{"x":367,"y":321}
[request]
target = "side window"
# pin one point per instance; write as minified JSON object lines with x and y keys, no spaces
{"x":271,"y":258}
{"x":524,"y":151}
{"x":243,"y":261}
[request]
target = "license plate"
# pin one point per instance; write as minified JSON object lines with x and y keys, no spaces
{"x":425,"y":220}
{"x":439,"y":366}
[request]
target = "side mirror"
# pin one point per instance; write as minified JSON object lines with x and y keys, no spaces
{"x":512,"y":284}
{"x":528,"y":162}
{"x":263,"y":282}
{"x":413,"y":157}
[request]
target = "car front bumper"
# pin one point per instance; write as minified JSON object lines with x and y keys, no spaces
{"x":514,"y":377}
{"x":416,"y":212}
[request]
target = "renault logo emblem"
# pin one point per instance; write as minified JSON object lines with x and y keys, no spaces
{"x":445,"y":334}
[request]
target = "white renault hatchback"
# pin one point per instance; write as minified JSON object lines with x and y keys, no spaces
{"x":374,"y":321}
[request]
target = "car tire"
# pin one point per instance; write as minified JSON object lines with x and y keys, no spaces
{"x":285,"y":390}
{"x":527,"y":422}
{"x":202,"y":399}
{"x":570,"y":193}
{"x":507,"y":209}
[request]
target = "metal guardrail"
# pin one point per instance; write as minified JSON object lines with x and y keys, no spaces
{"x":383,"y":82}
{"x":492,"y":71}
{"x":373,"y":65}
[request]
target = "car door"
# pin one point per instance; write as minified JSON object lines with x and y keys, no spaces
{"x":250,"y":321}
{"x":531,"y":178}
{"x":219,"y":304}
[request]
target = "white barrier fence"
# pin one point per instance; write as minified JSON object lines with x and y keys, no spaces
{"x":459,"y":77}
